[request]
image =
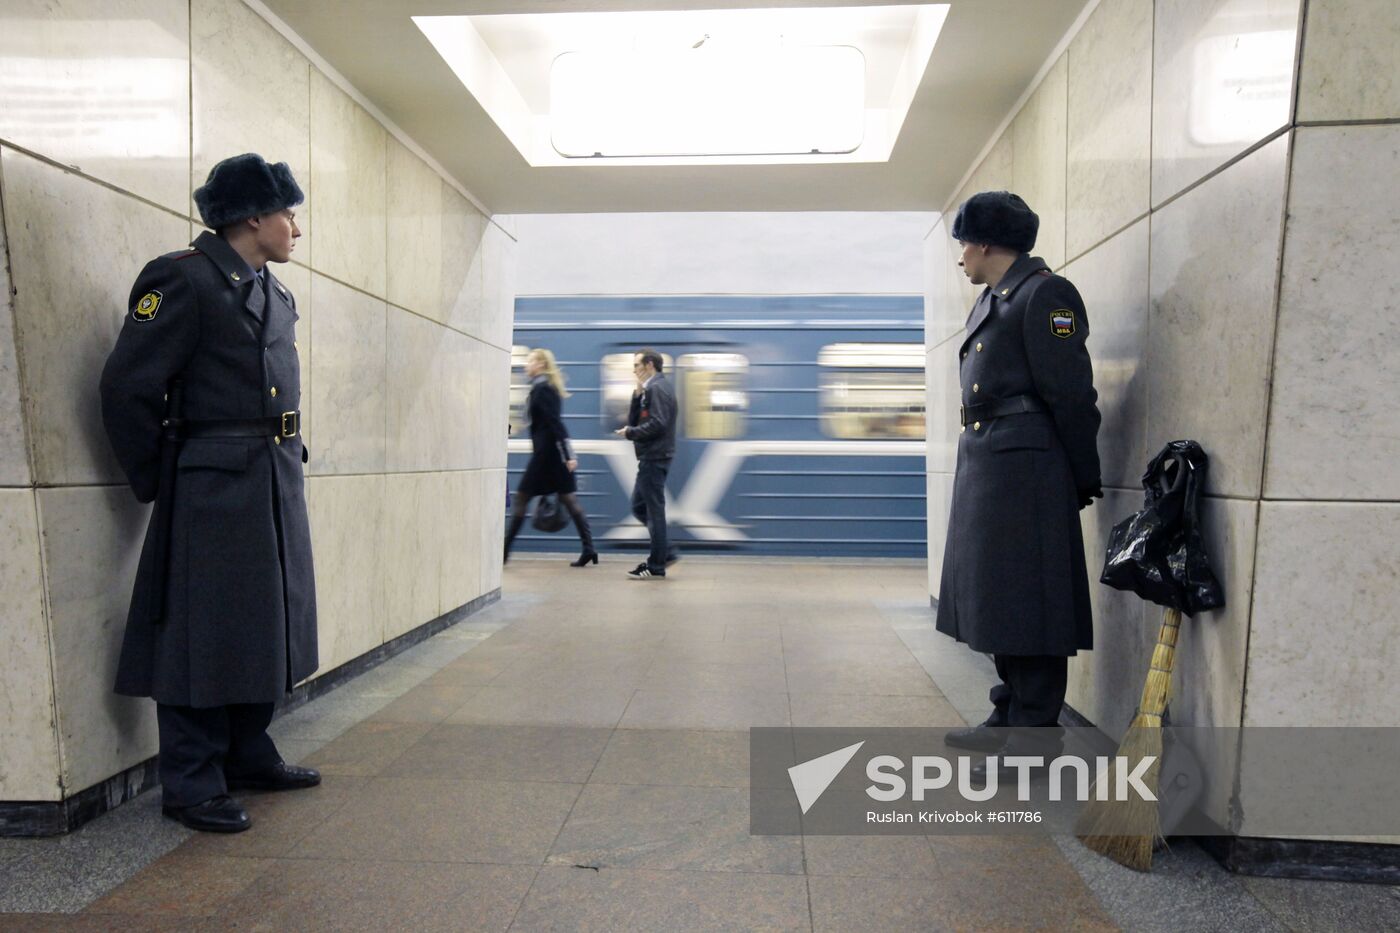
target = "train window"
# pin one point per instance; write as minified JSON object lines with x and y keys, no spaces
{"x":872,"y":390}
{"x":714,"y":393}
{"x":519,"y":389}
{"x":618,"y":382}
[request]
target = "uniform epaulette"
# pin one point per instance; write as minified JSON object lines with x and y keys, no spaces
{"x":187,"y":254}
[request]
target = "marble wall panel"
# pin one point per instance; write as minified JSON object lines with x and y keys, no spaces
{"x":1214,"y":260}
{"x":1105,"y":683}
{"x":75,"y":249}
{"x":29,"y":766}
{"x":1038,"y":161}
{"x":417,"y":348}
{"x":1113,"y":281}
{"x":348,"y":178}
{"x":413,"y":532}
{"x":1351,"y":61}
{"x":1322,"y":649}
{"x":347,"y":518}
{"x":943,"y":399}
{"x":463,"y":230}
{"x":461,"y":540}
{"x":1222,"y":80}
{"x":1334,"y":431}
{"x":945,"y":286}
{"x":939,"y":505}
{"x":92,"y":539}
{"x":495,"y":407}
{"x":1109,"y":122}
{"x":492,"y":525}
{"x":102,"y":86}
{"x":14,"y":454}
{"x":416,"y":226}
{"x":461,"y":385}
{"x":348,"y":379}
{"x":498,"y":286}
{"x":234,"y":53}
{"x":1208,"y":683}
{"x":995,"y":173}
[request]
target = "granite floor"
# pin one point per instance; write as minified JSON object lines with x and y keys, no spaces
{"x":575,"y":757}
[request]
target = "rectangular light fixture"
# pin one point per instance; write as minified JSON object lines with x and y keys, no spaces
{"x":708,"y":101}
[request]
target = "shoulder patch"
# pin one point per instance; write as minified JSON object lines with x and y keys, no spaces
{"x":147,"y":307}
{"x":1062,"y":323}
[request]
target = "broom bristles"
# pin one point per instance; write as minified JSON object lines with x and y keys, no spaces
{"x":1128,"y":830}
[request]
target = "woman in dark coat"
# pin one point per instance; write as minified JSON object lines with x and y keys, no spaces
{"x":552,"y":462}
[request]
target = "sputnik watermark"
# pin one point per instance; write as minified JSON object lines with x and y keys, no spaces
{"x":934,"y":772}
{"x":811,"y":778}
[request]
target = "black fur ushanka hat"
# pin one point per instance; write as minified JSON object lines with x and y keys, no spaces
{"x":997,"y":218}
{"x":244,"y":186}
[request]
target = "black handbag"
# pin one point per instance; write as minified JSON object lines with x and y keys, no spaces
{"x":1158,"y":553}
{"x":550,"y":516}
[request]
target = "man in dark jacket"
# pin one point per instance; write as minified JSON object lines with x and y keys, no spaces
{"x":1014,"y":581}
{"x":651,"y":427}
{"x":200,"y":401}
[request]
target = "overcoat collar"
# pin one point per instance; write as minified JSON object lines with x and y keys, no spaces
{"x":1023,"y":268}
{"x":235,"y":269}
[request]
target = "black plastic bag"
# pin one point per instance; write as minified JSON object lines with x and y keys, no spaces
{"x":550,"y":516}
{"x":1158,"y":553}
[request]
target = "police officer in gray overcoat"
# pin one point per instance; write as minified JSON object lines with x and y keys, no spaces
{"x":200,"y":401}
{"x":1014,"y":583}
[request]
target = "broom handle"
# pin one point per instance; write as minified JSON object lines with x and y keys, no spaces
{"x":1154,"y":692}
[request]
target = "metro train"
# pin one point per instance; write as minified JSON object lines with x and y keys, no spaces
{"x":801,"y":427}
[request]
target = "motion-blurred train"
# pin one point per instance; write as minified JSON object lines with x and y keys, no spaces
{"x":801,"y":419}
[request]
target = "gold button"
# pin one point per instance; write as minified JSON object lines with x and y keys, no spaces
{"x":234,"y":276}
{"x":964,"y":354}
{"x":277,"y":440}
{"x":274,"y":391}
{"x":975,"y":387}
{"x":979,"y":347}
{"x":962,"y":428}
{"x":1006,"y":291}
{"x":296,"y":346}
{"x":976,"y":425}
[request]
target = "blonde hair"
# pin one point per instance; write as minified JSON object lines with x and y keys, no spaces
{"x":551,"y":370}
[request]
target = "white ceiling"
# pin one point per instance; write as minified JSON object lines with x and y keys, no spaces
{"x":986,"y":55}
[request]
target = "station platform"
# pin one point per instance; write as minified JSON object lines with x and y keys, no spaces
{"x":575,"y":757}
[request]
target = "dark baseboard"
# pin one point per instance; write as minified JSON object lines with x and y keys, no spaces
{"x":52,"y":818}
{"x":1311,"y":859}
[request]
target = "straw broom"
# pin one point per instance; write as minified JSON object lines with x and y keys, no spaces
{"x":1128,"y":830}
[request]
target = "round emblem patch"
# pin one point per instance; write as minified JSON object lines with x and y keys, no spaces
{"x":147,"y":307}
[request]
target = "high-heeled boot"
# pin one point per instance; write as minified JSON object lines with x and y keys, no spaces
{"x":585,"y":537}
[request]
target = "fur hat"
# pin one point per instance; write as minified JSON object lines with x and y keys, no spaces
{"x":997,"y":218}
{"x":244,"y":186}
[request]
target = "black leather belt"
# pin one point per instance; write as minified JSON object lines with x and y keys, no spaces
{"x":999,"y":408}
{"x":287,"y":424}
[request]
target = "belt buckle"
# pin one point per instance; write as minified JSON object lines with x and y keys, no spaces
{"x":292,"y":418}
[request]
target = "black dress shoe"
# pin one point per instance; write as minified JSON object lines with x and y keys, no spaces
{"x":216,"y":815}
{"x":585,"y":559}
{"x":981,"y":738}
{"x":281,"y":777}
{"x":1007,"y":776}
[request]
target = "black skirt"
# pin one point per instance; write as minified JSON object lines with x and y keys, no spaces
{"x":544,"y":474}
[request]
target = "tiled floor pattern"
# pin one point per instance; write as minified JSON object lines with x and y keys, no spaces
{"x":575,"y":758}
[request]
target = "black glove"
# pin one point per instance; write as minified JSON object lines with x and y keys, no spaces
{"x":1087,"y":496}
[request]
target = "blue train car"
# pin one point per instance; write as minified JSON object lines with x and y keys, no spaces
{"x":801,"y":419}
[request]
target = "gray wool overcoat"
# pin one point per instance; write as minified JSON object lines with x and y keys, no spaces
{"x":1014,"y":577}
{"x":240,"y":594}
